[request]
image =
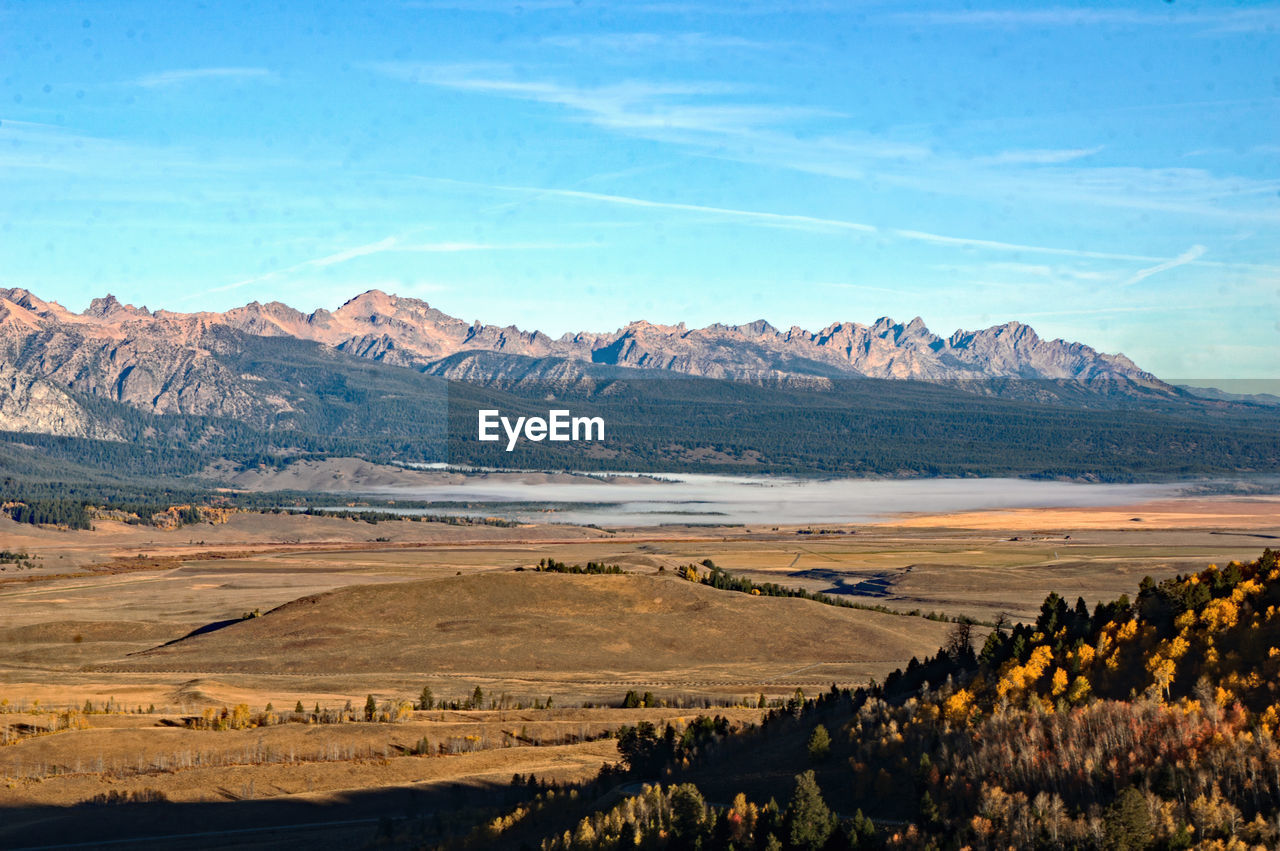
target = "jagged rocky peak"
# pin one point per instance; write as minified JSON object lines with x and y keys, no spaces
{"x":916,"y":329}
{"x":759,"y":328}
{"x":36,"y":309}
{"x":321,"y":318}
{"x":647,"y":328}
{"x":377,"y":302}
{"x":109,"y":307}
{"x":25,"y":299}
{"x":276,"y":309}
{"x":271,"y":319}
{"x":1013,"y":331}
{"x":372,"y":305}
{"x":409,"y":331}
{"x":914,"y":332}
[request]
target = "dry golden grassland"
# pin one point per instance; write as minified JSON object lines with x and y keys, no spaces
{"x":348,"y":609}
{"x":136,"y":752}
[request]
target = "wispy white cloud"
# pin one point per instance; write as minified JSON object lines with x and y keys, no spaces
{"x":818,"y":223}
{"x":1038,"y":156}
{"x":351,"y":253}
{"x":641,"y":107}
{"x":1103,"y":311}
{"x":457,"y":247}
{"x":722,"y":120}
{"x":180,"y":76}
{"x":1192,"y":254}
{"x":1022,"y":271}
{"x":651,"y":42}
{"x":782,"y":219}
{"x":1251,"y":150}
{"x":27,"y":145}
{"x":1232,"y":20}
{"x":315,"y":263}
{"x":1183,"y":191}
{"x":1054,"y":17}
{"x":500,"y":6}
{"x":741,"y":8}
{"x":389,"y":244}
{"x":826,"y":224}
{"x":996,"y":245}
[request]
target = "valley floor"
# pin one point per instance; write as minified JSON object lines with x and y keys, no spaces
{"x":403,"y":605}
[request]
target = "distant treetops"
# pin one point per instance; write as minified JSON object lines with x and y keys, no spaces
{"x":1149,"y":723}
{"x":1207,"y":638}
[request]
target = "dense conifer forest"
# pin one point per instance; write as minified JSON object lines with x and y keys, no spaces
{"x":75,"y":504}
{"x":346,"y":408}
{"x":874,"y":427}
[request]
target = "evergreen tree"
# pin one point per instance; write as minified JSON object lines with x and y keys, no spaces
{"x":1128,"y":822}
{"x":819,"y":745}
{"x":861,"y":831}
{"x":688,"y":809}
{"x":929,"y":812}
{"x":810,"y":821}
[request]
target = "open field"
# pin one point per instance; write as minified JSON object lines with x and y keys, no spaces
{"x":140,"y":752}
{"x":62,"y":551}
{"x":351,"y":609}
{"x":1224,"y":512}
{"x":63,"y":623}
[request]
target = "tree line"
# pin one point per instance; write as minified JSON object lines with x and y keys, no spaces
{"x":719,"y":578}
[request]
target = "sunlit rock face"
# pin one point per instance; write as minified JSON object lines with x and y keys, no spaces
{"x":167,"y":362}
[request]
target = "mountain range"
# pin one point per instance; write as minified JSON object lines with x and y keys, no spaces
{"x":166,"y":362}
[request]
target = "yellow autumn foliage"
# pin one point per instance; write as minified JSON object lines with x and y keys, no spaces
{"x":1219,"y":615}
{"x":958,"y":706}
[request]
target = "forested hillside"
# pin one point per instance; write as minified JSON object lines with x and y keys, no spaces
{"x":862,"y":427}
{"x":870,"y":427}
{"x":1144,"y":723}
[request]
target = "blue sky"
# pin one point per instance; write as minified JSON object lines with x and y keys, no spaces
{"x":1108,"y":173}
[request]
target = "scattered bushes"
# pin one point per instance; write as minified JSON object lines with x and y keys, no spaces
{"x":136,"y":796}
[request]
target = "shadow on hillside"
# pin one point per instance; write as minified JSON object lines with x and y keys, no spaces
{"x":203,"y":630}
{"x":879,"y":585}
{"x":357,"y":819}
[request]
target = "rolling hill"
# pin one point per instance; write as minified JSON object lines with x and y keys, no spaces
{"x":494,"y":623}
